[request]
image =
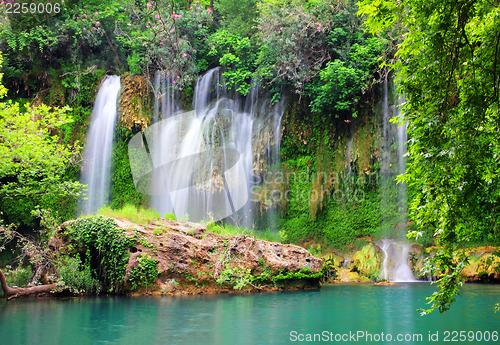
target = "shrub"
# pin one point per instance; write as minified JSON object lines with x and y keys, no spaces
{"x":106,"y":248}
{"x":76,"y":276}
{"x":144,"y":274}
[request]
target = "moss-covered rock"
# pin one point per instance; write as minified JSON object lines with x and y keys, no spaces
{"x":483,"y":265}
{"x":167,"y":256}
{"x":367,"y":261}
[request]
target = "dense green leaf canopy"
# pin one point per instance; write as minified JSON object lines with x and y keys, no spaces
{"x":448,"y":65}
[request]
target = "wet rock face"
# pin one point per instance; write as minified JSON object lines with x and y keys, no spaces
{"x":193,"y":260}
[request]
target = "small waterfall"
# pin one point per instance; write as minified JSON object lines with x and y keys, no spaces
{"x":395,"y":265}
{"x":204,"y":161}
{"x":347,"y":262}
{"x":97,"y":152}
{"x":348,"y":155}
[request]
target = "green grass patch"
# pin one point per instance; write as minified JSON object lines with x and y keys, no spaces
{"x":136,"y":215}
{"x":232,"y":230}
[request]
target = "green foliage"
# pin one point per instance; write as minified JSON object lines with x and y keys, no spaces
{"x":76,"y":276}
{"x":380,"y":14}
{"x":239,"y":16}
{"x":145,"y":273}
{"x":355,"y":208}
{"x":293,"y":38}
{"x":237,"y":55}
{"x":106,"y":248}
{"x":134,"y":63}
{"x":237,"y":277}
{"x":74,"y":132}
{"x":328,"y":269}
{"x":303,"y":273}
{"x":72,"y":40}
{"x":448,"y":69}
{"x":136,"y":215}
{"x":170,"y":216}
{"x":228,"y":229}
{"x":33,"y":161}
{"x":344,"y":80}
{"x":82,"y":84}
{"x":19,"y":276}
{"x":367,"y":261}
{"x":123,"y":191}
{"x":449,"y":265}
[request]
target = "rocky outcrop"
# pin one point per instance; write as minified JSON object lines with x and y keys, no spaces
{"x":191,"y":259}
{"x":484,"y":265}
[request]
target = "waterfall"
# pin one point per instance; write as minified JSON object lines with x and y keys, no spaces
{"x":204,"y":162}
{"x":395,"y":265}
{"x":394,"y":197}
{"x":97,"y":152}
{"x":392,"y":157}
{"x":348,"y":155}
{"x":402,"y":138}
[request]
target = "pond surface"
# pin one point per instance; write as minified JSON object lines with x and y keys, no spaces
{"x":346,"y":313}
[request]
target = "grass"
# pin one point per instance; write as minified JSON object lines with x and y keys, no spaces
{"x":144,"y":216}
{"x":136,"y":215}
{"x":231,"y":230}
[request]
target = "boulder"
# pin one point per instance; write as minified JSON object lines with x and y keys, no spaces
{"x":191,"y":259}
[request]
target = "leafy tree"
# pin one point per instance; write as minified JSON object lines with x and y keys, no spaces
{"x":343,"y":80}
{"x":237,"y":55}
{"x":448,"y":67}
{"x":239,"y":16}
{"x":33,"y":161}
{"x":293,"y":38}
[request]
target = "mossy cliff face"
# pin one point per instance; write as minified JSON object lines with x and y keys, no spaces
{"x":366,"y":264}
{"x":334,"y":186}
{"x":170,"y":257}
{"x":483,"y":264}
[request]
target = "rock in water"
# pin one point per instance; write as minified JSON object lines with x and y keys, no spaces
{"x":191,"y":259}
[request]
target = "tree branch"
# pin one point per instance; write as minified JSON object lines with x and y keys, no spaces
{"x":11,"y":292}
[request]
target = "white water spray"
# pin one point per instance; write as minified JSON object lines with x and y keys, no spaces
{"x":194,"y":152}
{"x":395,"y":265}
{"x":97,"y":152}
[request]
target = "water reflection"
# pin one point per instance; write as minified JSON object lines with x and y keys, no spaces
{"x":243,"y":319}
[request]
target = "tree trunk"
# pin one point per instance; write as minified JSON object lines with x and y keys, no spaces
{"x":17,"y":292}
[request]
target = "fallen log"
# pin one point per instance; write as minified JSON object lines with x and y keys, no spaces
{"x":14,"y":292}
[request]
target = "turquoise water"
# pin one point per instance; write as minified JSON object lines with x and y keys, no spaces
{"x":342,"y":310}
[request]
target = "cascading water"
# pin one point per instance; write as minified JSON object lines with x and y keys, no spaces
{"x":97,"y":152}
{"x":394,"y":196}
{"x":395,"y":265}
{"x":205,"y":161}
{"x":166,"y":105}
{"x":402,"y":138}
{"x":393,"y":163}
